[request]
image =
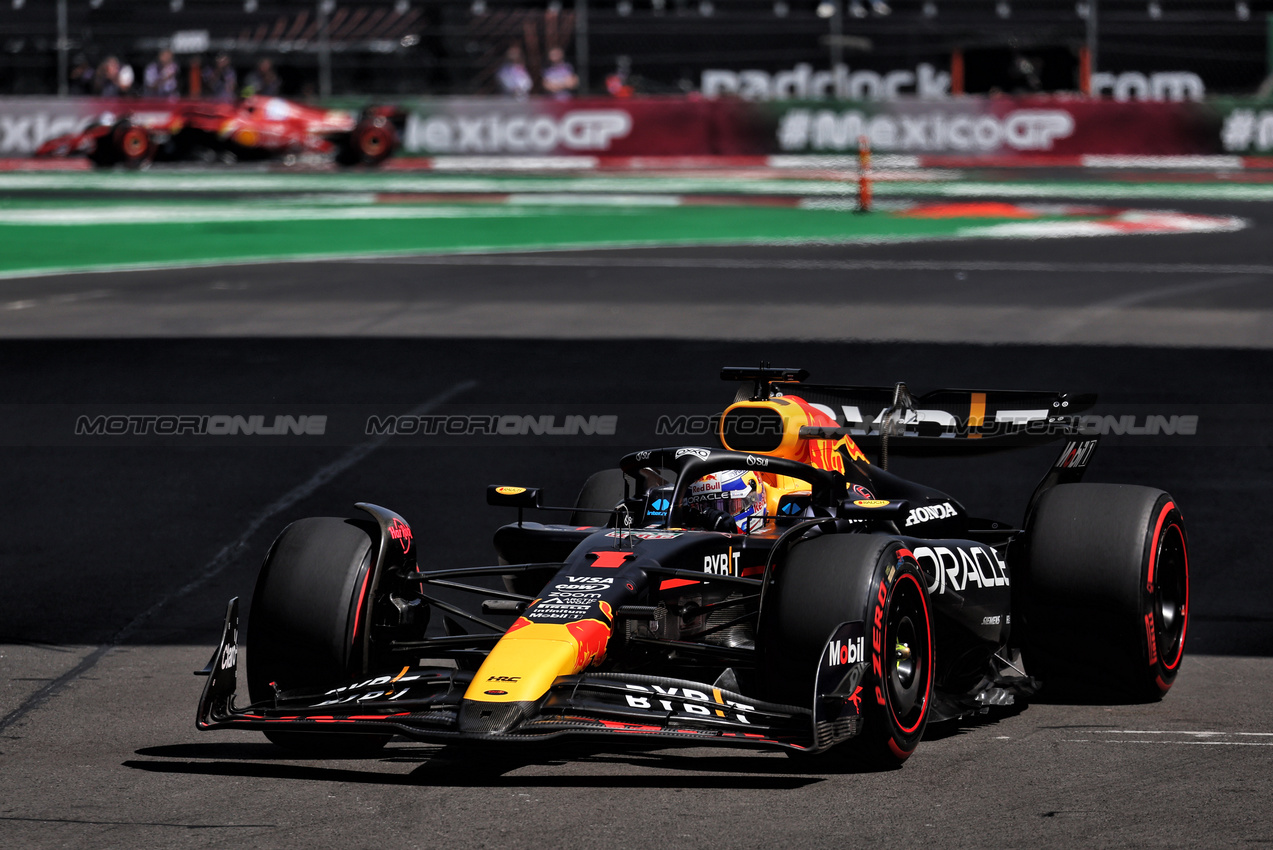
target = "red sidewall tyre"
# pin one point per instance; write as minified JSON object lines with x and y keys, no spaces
{"x":375,"y":143}
{"x":1106,"y":592}
{"x":371,"y":142}
{"x":133,"y":145}
{"x":904,"y":685}
{"x":838,"y":578}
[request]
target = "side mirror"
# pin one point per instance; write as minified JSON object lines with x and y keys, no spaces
{"x":513,"y":497}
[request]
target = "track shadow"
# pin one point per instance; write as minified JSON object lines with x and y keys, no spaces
{"x":482,"y":762}
{"x":995,"y":714}
{"x":1090,"y":690}
{"x":451,"y":766}
{"x":242,"y":750}
{"x":468,"y":778}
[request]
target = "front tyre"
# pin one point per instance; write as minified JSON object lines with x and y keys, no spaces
{"x":306,"y":629}
{"x":906,"y":653}
{"x":840,"y":578}
{"x":1106,"y":591}
{"x":133,"y":146}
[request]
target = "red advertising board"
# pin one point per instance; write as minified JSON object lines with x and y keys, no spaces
{"x":1006,"y":129}
{"x":992,"y":127}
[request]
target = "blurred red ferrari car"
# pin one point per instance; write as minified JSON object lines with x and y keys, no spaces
{"x":255,"y":128}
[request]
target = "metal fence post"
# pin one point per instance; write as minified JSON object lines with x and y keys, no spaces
{"x":581,"y":44}
{"x":324,"y":49}
{"x":1092,"y":32}
{"x":63,"y":46}
{"x":836,"y":30}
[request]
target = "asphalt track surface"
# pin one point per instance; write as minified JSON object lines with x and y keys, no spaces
{"x":1183,"y":290}
{"x":116,"y":560}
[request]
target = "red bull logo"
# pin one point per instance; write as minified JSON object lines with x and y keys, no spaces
{"x":826,"y":454}
{"x":592,"y":637}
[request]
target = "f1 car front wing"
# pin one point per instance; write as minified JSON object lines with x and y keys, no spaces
{"x":427,"y":704}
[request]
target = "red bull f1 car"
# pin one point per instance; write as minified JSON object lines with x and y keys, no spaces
{"x":775,"y":590}
{"x":255,"y":128}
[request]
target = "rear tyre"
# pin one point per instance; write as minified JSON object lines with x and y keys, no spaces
{"x":305,"y":629}
{"x":1106,"y":592}
{"x":839,"y":578}
{"x":371,"y":142}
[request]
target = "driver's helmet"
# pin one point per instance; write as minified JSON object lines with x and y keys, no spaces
{"x":736,"y":492}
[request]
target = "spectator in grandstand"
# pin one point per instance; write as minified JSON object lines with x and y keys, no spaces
{"x":113,"y":79}
{"x":162,"y":77}
{"x":262,"y":80}
{"x":1025,"y":74}
{"x":512,"y":76}
{"x":618,"y":83}
{"x":220,"y":82}
{"x":81,"y":76}
{"x":559,"y":78}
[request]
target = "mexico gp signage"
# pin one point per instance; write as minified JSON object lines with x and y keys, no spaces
{"x":471,"y":126}
{"x":579,"y":130}
{"x":1027,"y":126}
{"x":1002,"y":127}
{"x":937,"y":131}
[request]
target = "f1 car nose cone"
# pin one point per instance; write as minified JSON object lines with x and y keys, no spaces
{"x":493,"y":718}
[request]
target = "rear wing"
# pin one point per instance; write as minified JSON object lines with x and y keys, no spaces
{"x":954,"y":421}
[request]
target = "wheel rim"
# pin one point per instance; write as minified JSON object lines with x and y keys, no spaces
{"x":909,"y":670}
{"x":1171,"y":595}
{"x":373,"y":142}
{"x":134,"y":143}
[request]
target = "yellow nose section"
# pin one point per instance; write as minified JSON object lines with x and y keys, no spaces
{"x":530,"y":657}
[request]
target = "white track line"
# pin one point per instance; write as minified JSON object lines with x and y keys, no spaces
{"x":1207,"y":734}
{"x":688,"y":184}
{"x":496,"y":259}
{"x":69,"y":298}
{"x":1206,"y":738}
{"x":1177,"y":743}
{"x":129,"y":214}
